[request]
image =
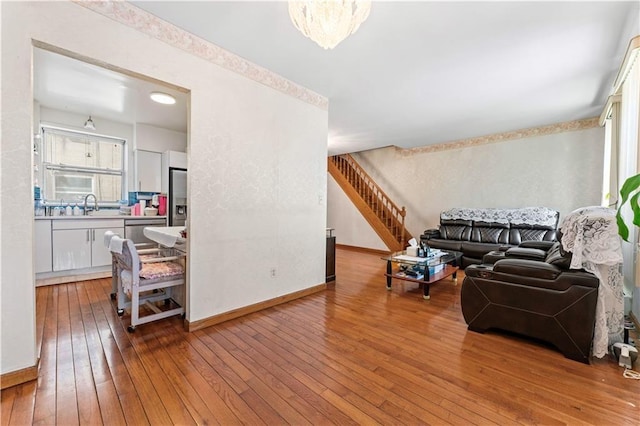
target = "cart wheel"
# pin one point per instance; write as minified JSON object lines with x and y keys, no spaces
{"x":388,"y":288}
{"x":113,"y":296}
{"x":426,"y":297}
{"x":120,"y":312}
{"x":131,"y":329}
{"x":183,"y":316}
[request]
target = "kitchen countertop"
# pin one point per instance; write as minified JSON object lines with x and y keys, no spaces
{"x":98,"y":216}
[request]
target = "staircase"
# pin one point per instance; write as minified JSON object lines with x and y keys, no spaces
{"x":383,"y":215}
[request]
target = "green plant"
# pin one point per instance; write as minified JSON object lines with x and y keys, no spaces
{"x":630,"y":186}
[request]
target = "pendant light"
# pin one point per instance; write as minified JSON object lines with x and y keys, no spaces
{"x":89,"y":124}
{"x":328,"y":22}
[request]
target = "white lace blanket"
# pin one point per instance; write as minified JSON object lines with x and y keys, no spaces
{"x":526,"y":215}
{"x":591,"y":234}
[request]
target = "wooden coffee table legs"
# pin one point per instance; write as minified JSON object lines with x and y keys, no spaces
{"x":448,"y":271}
{"x":426,"y":291}
{"x":389,"y":274}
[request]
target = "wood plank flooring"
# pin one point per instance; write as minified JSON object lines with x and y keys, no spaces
{"x":355,"y":354}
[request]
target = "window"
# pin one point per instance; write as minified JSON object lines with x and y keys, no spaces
{"x":76,"y":164}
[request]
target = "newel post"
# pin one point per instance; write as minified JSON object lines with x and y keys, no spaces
{"x":403,"y":213}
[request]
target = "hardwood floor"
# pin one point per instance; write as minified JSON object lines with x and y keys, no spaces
{"x":355,"y":354}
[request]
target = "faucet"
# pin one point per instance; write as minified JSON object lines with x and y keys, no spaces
{"x":95,"y":203}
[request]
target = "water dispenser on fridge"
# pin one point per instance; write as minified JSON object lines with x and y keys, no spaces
{"x":177,"y":197}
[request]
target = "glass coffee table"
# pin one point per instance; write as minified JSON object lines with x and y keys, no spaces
{"x":422,"y":270}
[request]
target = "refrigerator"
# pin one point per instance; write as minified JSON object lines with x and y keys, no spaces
{"x":177,"y":203}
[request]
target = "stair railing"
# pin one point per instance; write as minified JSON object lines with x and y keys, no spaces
{"x":386,"y":210}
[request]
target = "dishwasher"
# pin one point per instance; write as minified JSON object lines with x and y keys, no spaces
{"x":133,"y":228}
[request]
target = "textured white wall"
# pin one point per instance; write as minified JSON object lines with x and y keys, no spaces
{"x":257,"y":186}
{"x":351,"y":228}
{"x":151,"y":138}
{"x":562,"y":171}
{"x":257,"y":163}
{"x":17,"y":318}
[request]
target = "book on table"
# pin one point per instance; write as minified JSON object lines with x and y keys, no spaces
{"x":417,"y":272}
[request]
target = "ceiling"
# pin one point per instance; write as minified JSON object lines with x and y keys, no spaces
{"x":70,"y":85}
{"x":420,"y":73}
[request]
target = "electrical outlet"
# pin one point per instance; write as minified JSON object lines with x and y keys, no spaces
{"x":273,"y":272}
{"x":320,"y":199}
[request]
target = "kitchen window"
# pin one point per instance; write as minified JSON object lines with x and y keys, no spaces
{"x":77,"y":163}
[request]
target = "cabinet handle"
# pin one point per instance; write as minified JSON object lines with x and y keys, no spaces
{"x":93,"y":235}
{"x":87,"y":235}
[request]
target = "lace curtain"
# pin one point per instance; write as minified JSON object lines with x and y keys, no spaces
{"x":541,"y":216}
{"x":591,"y":235}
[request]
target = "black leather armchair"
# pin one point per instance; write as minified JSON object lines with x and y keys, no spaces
{"x":532,"y":291}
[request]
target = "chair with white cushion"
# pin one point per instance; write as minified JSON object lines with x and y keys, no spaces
{"x":142,"y":249}
{"x":145,"y":283}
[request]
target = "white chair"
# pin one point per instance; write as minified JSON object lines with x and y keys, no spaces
{"x":114,"y":270}
{"x":144,"y":281}
{"x":142,"y":249}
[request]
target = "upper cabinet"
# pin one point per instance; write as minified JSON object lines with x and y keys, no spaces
{"x":174,"y":159}
{"x":148,"y":171}
{"x":150,"y":143}
{"x":171,"y":160}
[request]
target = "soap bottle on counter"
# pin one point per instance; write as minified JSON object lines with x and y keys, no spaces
{"x":68,"y":211}
{"x":76,"y":210}
{"x":39,"y":208}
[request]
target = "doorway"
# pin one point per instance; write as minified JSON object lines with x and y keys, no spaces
{"x":86,"y":97}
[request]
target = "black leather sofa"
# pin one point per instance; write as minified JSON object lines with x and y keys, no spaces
{"x":531,"y":291}
{"x":476,"y":232}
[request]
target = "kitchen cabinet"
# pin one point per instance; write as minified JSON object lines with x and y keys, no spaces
{"x":172,"y":160}
{"x":71,"y":249}
{"x":100,"y":255}
{"x":148,"y":171}
{"x":79,"y":244}
{"x":42,"y":245}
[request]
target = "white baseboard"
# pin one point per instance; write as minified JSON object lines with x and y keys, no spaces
{"x":72,"y":276}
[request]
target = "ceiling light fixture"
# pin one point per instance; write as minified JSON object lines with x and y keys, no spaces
{"x":162,"y":98}
{"x":89,"y":124}
{"x":328,"y":22}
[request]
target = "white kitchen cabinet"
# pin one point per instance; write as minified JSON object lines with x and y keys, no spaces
{"x":172,"y":160}
{"x":79,"y":244}
{"x":42,"y":246}
{"x":71,"y":249}
{"x":148,"y":171}
{"x":100,"y":255}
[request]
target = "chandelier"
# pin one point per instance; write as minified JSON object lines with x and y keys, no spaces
{"x":328,"y":22}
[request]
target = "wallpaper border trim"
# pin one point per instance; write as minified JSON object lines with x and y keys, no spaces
{"x":149,"y":24}
{"x":567,"y":126}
